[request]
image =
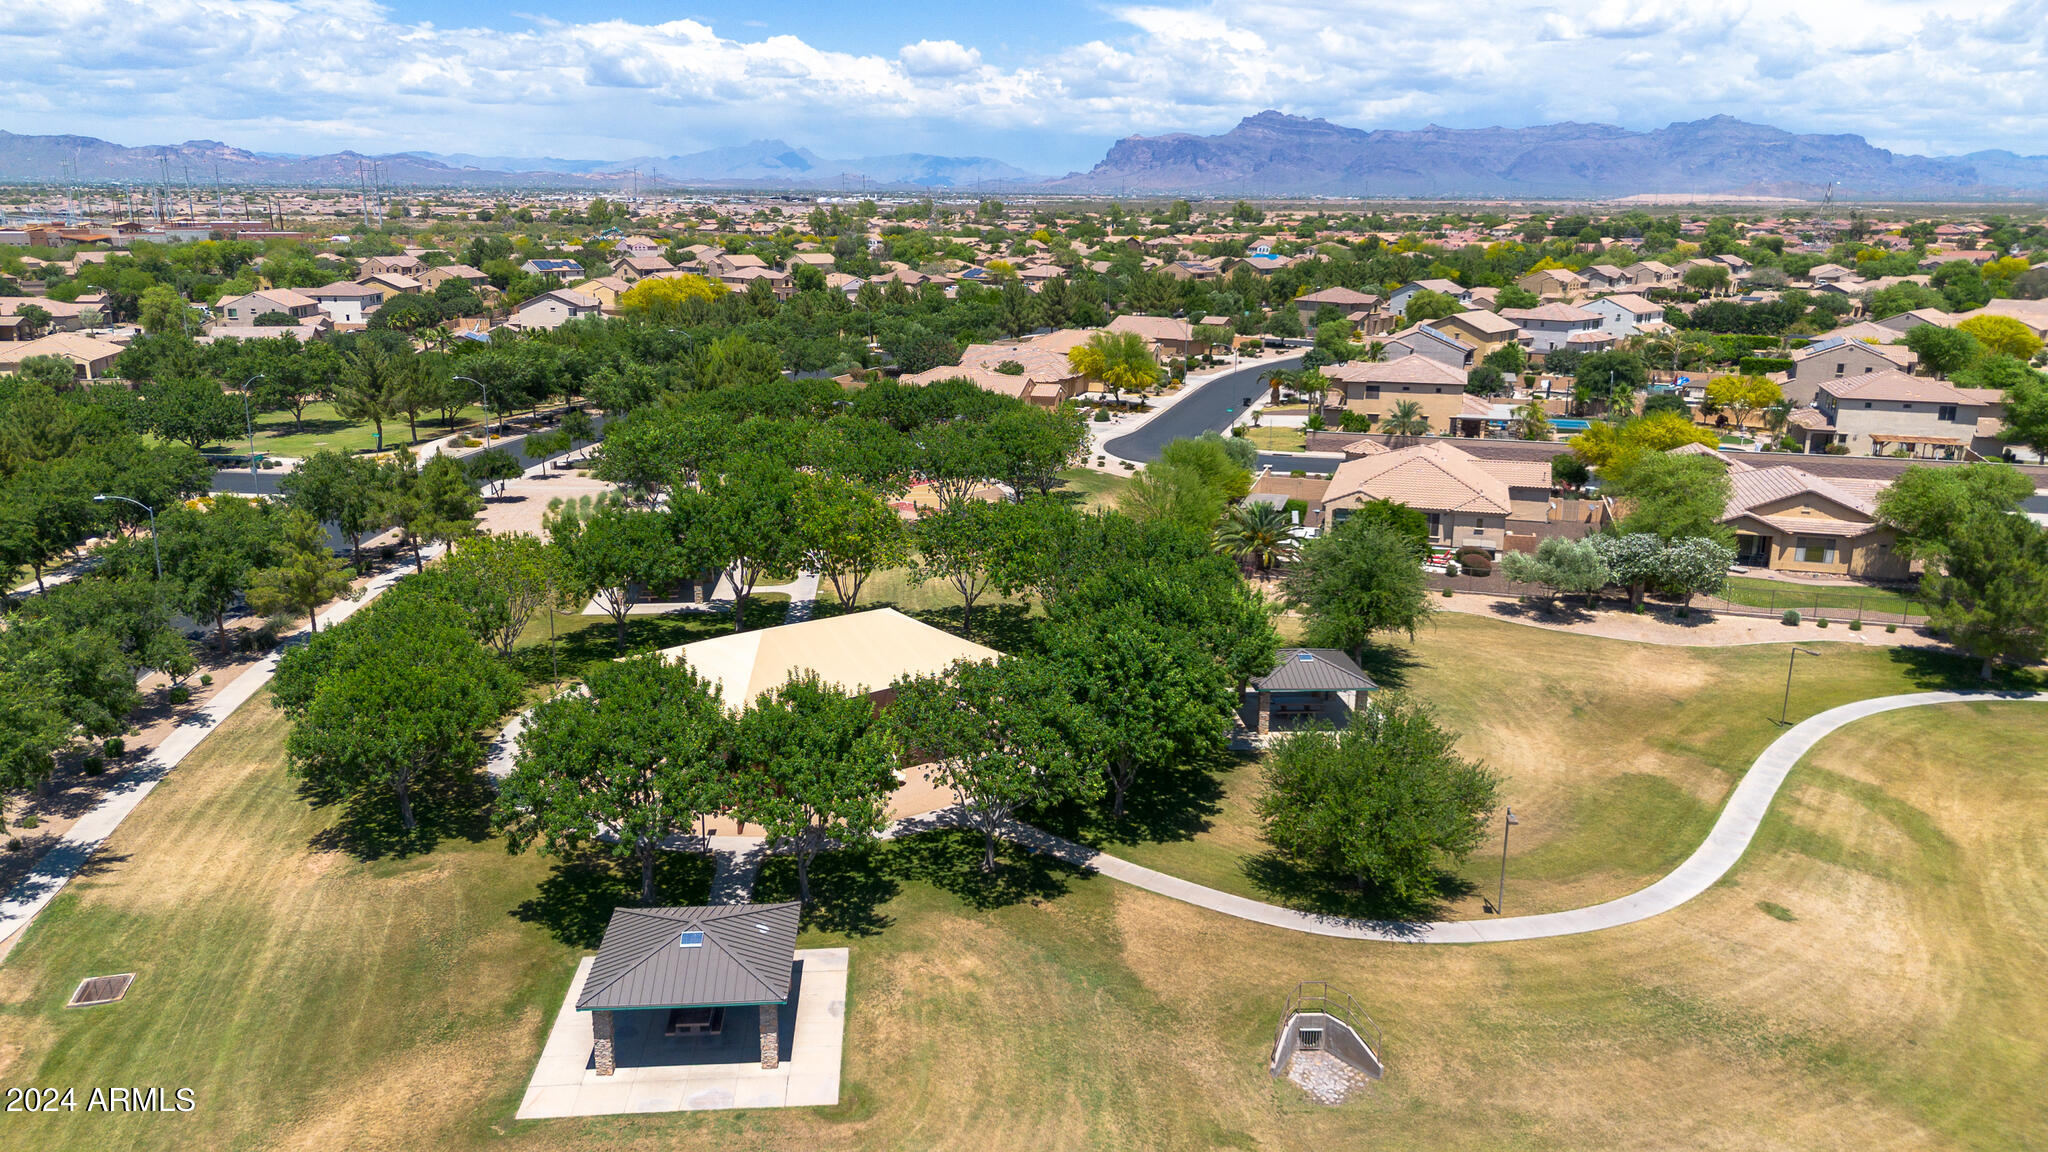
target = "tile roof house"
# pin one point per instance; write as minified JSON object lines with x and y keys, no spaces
{"x":1606,"y":277}
{"x":553,"y":309}
{"x":1363,"y":309}
{"x":346,"y":302}
{"x":403,"y":265}
{"x":1626,"y":314}
{"x":1467,"y":500}
{"x":1169,"y":335}
{"x":1905,"y":322}
{"x":236,"y":310}
{"x":1790,"y":520}
{"x":1651,"y":274}
{"x":392,"y":284}
{"x":93,"y":357}
{"x":1483,"y":330}
{"x":1552,"y":325}
{"x":1553,"y":283}
{"x":1440,"y":344}
{"x":635,"y":268}
{"x":1397,"y":300}
{"x":1372,"y":389}
{"x":1886,"y":412}
{"x":433,"y":278}
{"x":1047,"y":377}
{"x":1836,"y":357}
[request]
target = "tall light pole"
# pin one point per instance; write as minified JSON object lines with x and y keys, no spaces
{"x":249,"y":420}
{"x":1791,"y":658}
{"x":153,"y":549}
{"x":1500,"y":898}
{"x":487,"y":405}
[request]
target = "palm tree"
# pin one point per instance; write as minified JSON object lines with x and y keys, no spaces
{"x":1532,"y":422}
{"x":1261,"y":533}
{"x":1406,"y":419}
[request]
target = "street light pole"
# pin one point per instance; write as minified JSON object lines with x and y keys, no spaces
{"x":487,"y":406}
{"x":1791,"y":658}
{"x":153,"y":549}
{"x":1500,"y":898}
{"x":249,"y":421}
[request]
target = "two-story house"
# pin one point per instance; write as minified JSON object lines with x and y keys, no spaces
{"x":1397,"y":300}
{"x":1361,"y":308}
{"x":1651,"y":274}
{"x":1553,"y":283}
{"x":240,"y":310}
{"x":1373,"y":389}
{"x":1882,"y":413}
{"x":1790,"y":520}
{"x":1552,"y":325}
{"x":554,"y":309}
{"x":345,"y":302}
{"x":1483,"y":330}
{"x":1626,"y":314}
{"x":1467,"y":501}
{"x":1441,"y":345}
{"x":1838,"y":358}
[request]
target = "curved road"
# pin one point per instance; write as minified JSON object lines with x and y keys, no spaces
{"x":1723,"y":846}
{"x":1211,"y":407}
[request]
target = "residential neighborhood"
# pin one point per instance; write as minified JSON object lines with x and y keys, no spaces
{"x":811,"y":642}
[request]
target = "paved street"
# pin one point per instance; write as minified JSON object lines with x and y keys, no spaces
{"x":1211,"y":407}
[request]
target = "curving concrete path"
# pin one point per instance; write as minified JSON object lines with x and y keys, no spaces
{"x":1723,"y":846}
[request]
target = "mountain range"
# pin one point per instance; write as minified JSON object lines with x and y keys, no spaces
{"x":1276,"y":154}
{"x":759,"y":164}
{"x":1270,"y":153}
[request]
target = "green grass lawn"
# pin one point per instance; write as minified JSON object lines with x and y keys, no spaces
{"x":316,"y":996}
{"x":1616,"y":757}
{"x":279,"y":435}
{"x":1781,"y":594}
{"x":1092,"y":489}
{"x":1277,"y":439}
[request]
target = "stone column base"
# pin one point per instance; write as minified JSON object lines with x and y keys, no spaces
{"x":771,"y":1052}
{"x":603,"y":1054}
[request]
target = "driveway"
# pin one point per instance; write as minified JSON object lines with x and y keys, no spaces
{"x":1211,"y":407}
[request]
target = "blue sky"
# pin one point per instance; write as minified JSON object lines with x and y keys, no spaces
{"x":1045,"y":85}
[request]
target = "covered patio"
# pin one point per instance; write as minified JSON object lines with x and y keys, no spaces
{"x":1306,"y":686}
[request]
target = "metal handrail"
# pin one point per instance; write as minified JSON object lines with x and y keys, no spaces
{"x":1346,"y":1009}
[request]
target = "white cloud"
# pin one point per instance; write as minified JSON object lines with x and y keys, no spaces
{"x":311,"y":74}
{"x":939,"y":58}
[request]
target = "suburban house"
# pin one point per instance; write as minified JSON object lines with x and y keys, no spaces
{"x":554,"y":308}
{"x":1626,"y":314}
{"x":1483,"y":330}
{"x":635,"y":268}
{"x":403,"y":265}
{"x":433,"y":278}
{"x":1372,"y":389}
{"x":1552,"y":325}
{"x":345,"y":302}
{"x":1397,"y":301}
{"x":2032,"y":313}
{"x":740,"y":279}
{"x":1041,"y":374}
{"x":552,"y":268}
{"x":1168,"y":335}
{"x":1440,"y":345}
{"x":245,"y":309}
{"x":1881,"y":413}
{"x":1361,"y":308}
{"x":93,"y":357}
{"x":1191,"y":270}
{"x":1790,"y":520}
{"x":1606,"y":278}
{"x":1553,"y":283}
{"x":1836,"y":358}
{"x":1467,"y":500}
{"x":1651,"y":274}
{"x":1905,"y":322}
{"x":719,"y":264}
{"x":389,"y":284}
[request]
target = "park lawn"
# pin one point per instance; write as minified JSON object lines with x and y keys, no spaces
{"x":1617,"y":757}
{"x":314,"y":999}
{"x":1092,"y":489}
{"x":1277,"y":439}
{"x":1780,"y":594}
{"x":278,"y":434}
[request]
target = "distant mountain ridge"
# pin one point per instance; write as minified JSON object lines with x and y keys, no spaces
{"x":1274,"y":153}
{"x":761,"y":163}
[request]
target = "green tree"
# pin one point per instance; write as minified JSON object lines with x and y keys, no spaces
{"x":1635,"y":561}
{"x":1942,"y":350}
{"x":1990,"y":596}
{"x":1673,"y":496}
{"x":372,"y":387}
{"x":498,"y":581}
{"x":1146,"y":697}
{"x":1742,"y":395}
{"x":847,"y":533}
{"x":1119,"y":361}
{"x":1357,"y":579}
{"x":210,"y":554}
{"x":635,"y":759}
{"x":162,"y":310}
{"x":430,"y":503}
{"x":1696,"y":566}
{"x":495,"y":466}
{"x":1387,"y":801}
{"x":962,"y":546}
{"x":1486,"y":380}
{"x":1428,"y":305}
{"x":2002,"y":336}
{"x":2026,"y":411}
{"x":1260,"y":533}
{"x":190,"y":410}
{"x":339,"y":489}
{"x":819,"y":769}
{"x":392,"y":698}
{"x":613,"y":554}
{"x":998,"y":735}
{"x":749,"y":519}
{"x":1925,"y":505}
{"x":306,"y":573}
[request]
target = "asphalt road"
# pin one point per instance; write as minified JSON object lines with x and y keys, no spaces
{"x":1209,"y":408}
